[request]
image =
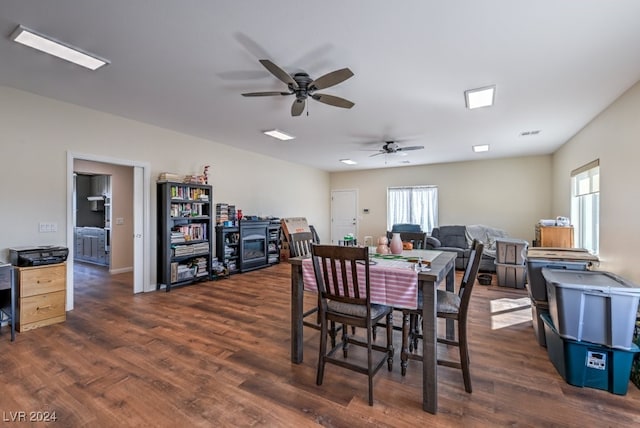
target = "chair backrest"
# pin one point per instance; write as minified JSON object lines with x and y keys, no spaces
{"x":469,"y":277}
{"x":406,"y":227}
{"x":300,"y":244}
{"x":418,"y":239}
{"x":336,"y":272}
{"x":316,"y":238}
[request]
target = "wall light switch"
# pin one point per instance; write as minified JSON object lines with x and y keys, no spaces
{"x":119,"y":221}
{"x":47,"y":227}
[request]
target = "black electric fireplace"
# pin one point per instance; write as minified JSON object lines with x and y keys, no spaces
{"x":253,"y":245}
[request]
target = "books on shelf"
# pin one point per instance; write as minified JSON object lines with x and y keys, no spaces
{"x":188,"y":209}
{"x":189,"y":193}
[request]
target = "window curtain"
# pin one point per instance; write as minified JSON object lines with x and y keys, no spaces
{"x":414,"y":205}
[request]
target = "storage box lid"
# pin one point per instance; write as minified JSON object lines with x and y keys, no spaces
{"x":568,"y":254}
{"x":511,"y":241}
{"x":599,"y":281}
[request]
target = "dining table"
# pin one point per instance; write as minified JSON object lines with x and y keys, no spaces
{"x":438,"y":266}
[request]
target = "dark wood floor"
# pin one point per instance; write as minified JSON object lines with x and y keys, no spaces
{"x":217,"y":354}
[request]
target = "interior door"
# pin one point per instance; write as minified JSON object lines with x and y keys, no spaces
{"x":344,"y":214}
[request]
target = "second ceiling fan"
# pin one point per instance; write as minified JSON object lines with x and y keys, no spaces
{"x":390,"y":147}
{"x":303,"y":86}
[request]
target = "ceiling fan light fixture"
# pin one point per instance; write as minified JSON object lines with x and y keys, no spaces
{"x":58,"y":49}
{"x":275,"y":133}
{"x":481,"y":148}
{"x":348,"y":161}
{"x":480,"y":97}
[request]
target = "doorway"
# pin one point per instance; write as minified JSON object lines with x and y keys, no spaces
{"x":141,"y":221}
{"x":344,"y":214}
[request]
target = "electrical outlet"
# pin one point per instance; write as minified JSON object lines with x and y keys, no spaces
{"x":119,"y":220}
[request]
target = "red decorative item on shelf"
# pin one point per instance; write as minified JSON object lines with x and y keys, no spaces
{"x":239,"y":214}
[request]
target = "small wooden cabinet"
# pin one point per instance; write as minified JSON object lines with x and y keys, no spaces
{"x":554,"y":236}
{"x":41,"y":296}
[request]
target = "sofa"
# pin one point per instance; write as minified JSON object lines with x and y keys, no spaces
{"x":458,"y":239}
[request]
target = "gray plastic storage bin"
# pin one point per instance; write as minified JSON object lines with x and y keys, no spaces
{"x":538,"y":308}
{"x":554,"y":258}
{"x":513,"y":276}
{"x":510,"y":251}
{"x":592,"y":306}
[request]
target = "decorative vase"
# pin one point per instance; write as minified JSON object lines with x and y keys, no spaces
{"x":396,"y":244}
{"x":382,"y":247}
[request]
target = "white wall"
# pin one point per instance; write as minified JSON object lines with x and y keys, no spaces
{"x":614,"y":138}
{"x":36,"y":133}
{"x":510,"y":194}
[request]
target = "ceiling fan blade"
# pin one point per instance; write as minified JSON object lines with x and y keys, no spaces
{"x":376,"y":154}
{"x":333,"y":100}
{"x":265,"y":94}
{"x":410,"y":148}
{"x":279,"y":73}
{"x":331,"y":79}
{"x":297,"y":107}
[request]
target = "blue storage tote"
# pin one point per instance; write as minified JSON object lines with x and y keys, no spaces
{"x":594,"y":306}
{"x":587,"y":364}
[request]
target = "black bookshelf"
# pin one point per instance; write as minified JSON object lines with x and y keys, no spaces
{"x":185,"y":234}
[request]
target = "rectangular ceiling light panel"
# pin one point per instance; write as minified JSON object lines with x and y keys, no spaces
{"x":348,"y":161}
{"x":275,"y":133}
{"x":481,"y":97}
{"x":481,"y":148}
{"x":53,"y":47}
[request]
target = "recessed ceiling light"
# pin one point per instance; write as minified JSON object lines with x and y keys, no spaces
{"x":481,"y":148}
{"x":279,"y":135}
{"x":480,"y":97}
{"x":348,"y":161}
{"x":53,"y":47}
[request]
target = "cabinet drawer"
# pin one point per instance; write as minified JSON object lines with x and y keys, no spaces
{"x":42,"y":307}
{"x":39,"y":280}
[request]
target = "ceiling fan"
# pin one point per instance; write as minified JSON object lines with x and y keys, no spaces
{"x":303,"y":86}
{"x":390,"y":147}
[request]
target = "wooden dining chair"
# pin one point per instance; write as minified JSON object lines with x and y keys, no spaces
{"x":342,"y":277}
{"x":300,"y":246}
{"x":418,"y":239}
{"x":450,"y":305}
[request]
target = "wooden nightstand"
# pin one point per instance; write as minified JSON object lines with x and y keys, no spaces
{"x":41,"y":296}
{"x":554,"y":236}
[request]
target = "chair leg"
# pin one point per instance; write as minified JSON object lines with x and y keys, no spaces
{"x":404,"y":353}
{"x":322,"y":352}
{"x":370,"y":363}
{"x":464,"y":355}
{"x":390,"y":341}
{"x":345,"y":342}
{"x":332,"y":333}
{"x":416,"y":322}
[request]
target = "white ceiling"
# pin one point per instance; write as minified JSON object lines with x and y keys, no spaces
{"x":182,"y":65}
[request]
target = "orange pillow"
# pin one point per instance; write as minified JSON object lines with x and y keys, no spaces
{"x":407,"y":246}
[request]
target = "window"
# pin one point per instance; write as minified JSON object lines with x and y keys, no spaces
{"x":414,"y":205}
{"x":585,"y":206}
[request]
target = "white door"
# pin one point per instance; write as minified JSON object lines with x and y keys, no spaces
{"x":344,"y":214}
